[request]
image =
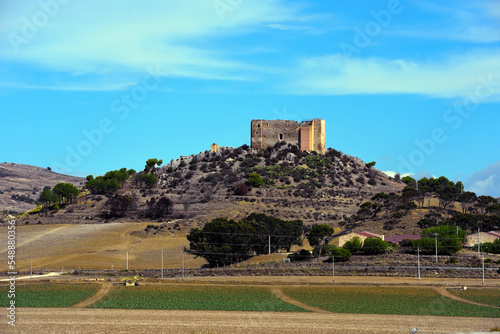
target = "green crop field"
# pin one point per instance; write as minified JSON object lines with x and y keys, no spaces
{"x":385,"y":300}
{"x":223,"y":298}
{"x":484,"y":296}
{"x":48,"y":295}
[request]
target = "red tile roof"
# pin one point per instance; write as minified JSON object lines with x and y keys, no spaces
{"x":369,"y":234}
{"x":400,"y":238}
{"x":494,"y":233}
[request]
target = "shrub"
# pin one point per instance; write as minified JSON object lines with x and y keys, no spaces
{"x":255,"y":180}
{"x":118,"y":205}
{"x":341,"y":254}
{"x":302,"y":255}
{"x":354,"y":245}
{"x":374,"y":246}
{"x":241,"y":189}
{"x":159,"y":209}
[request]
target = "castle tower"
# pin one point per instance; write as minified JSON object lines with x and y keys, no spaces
{"x":312,"y":136}
{"x":309,"y":135}
{"x":268,"y":133}
{"x":214,"y":148}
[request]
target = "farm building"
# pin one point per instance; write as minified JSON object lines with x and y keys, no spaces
{"x":397,"y":239}
{"x":342,"y":239}
{"x":483,"y":237}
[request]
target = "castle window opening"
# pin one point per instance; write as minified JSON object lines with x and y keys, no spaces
{"x":281,"y":136}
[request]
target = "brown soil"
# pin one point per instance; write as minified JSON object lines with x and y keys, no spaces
{"x":446,"y":293}
{"x":281,"y":295}
{"x":98,"y":321}
{"x":103,"y":291}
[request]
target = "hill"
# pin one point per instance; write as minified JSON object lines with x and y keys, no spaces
{"x":295,"y":185}
{"x":21,"y":185}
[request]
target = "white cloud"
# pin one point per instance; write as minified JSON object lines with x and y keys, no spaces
{"x":286,"y":27}
{"x":107,"y":37}
{"x":450,"y":77}
{"x":486,"y":181}
{"x":468,"y":21}
{"x":391,"y":173}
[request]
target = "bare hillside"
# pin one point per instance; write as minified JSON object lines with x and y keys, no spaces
{"x":21,"y":185}
{"x":295,"y":185}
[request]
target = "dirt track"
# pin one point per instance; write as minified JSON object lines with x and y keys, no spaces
{"x":103,"y":291}
{"x":97,"y":321}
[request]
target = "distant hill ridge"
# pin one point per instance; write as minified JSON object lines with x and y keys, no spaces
{"x":295,"y":185}
{"x":21,"y":184}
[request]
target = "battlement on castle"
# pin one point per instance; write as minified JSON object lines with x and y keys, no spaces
{"x":309,"y":135}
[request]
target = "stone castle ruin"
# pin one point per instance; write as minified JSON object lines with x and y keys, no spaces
{"x":308,"y":135}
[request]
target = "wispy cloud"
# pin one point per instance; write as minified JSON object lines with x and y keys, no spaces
{"x":448,"y":77}
{"x":102,"y":37}
{"x":486,"y":181}
{"x":287,"y":27}
{"x":468,"y":21}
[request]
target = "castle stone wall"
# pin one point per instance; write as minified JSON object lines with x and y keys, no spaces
{"x":309,"y":135}
{"x":268,"y":133}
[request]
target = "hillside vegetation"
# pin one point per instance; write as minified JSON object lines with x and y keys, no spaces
{"x":281,"y":182}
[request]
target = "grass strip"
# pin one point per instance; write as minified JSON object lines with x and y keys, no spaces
{"x":483,"y":296}
{"x":386,"y":300}
{"x":48,"y":295}
{"x":172,"y":297}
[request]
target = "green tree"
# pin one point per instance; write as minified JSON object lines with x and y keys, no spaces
{"x":110,"y":182}
{"x":449,"y":239}
{"x":371,"y":164}
{"x":223,"y":241}
{"x":341,"y":254}
{"x":148,"y":179}
{"x":152,"y":163}
{"x":409,"y":181}
{"x":159,"y":209}
{"x":283,"y":233}
{"x":447,"y":195}
{"x":118,"y":205}
{"x":493,"y":209}
{"x":255,"y":180}
{"x":319,"y":234}
{"x":467,"y":199}
{"x":354,"y":245}
{"x":48,"y":197}
{"x":373,"y":246}
{"x":66,"y":191}
{"x":483,"y":202}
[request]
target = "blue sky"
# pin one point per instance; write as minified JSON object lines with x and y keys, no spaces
{"x":90,"y":86}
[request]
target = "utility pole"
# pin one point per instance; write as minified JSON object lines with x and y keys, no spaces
{"x":127,"y":260}
{"x":478,"y":243}
{"x":483,"y":268}
{"x":333,"y":268}
{"x":418,"y":261}
{"x":269,"y":245}
{"x":183,"y":265}
{"x":162,"y":264}
{"x":435,"y":236}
